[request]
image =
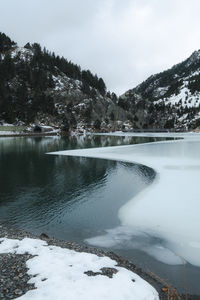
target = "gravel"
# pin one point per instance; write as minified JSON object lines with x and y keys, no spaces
{"x":13,"y":276}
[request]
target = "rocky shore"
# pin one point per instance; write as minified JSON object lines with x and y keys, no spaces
{"x":13,"y":270}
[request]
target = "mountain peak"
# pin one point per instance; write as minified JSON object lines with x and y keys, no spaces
{"x":193,"y":58}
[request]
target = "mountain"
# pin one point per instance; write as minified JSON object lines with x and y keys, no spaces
{"x":170,"y":99}
{"x":37,"y":86}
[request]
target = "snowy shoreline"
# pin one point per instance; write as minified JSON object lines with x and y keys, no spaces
{"x":22,"y":134}
{"x":118,"y":278}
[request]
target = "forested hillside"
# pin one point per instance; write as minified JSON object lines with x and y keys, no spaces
{"x":38,"y":86}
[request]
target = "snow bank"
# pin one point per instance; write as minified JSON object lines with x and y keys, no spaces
{"x":59,"y":274}
{"x":6,"y":132}
{"x":163,"y":220}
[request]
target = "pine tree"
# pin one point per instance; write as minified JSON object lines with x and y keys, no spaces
{"x":5,"y":43}
{"x":101,"y":87}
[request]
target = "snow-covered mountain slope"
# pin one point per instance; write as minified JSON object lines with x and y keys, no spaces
{"x":170,"y":99}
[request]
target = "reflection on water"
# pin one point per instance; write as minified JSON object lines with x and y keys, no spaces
{"x":67,"y":197}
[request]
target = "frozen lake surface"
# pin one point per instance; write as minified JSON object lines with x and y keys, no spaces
{"x":163,"y":219}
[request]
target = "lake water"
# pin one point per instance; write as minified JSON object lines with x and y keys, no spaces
{"x":77,"y":198}
{"x":67,"y":197}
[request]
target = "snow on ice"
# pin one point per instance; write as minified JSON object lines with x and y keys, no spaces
{"x":167,"y":212}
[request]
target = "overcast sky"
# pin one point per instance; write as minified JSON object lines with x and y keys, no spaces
{"x":123,"y":41}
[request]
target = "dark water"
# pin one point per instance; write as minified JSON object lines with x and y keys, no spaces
{"x":66,"y":197}
{"x":74,"y":198}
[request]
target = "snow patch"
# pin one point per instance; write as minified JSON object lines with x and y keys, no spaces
{"x":64,"y":271}
{"x":24,"y":54}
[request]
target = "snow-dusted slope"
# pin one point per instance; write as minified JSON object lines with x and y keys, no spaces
{"x":170,"y":99}
{"x":45,"y":88}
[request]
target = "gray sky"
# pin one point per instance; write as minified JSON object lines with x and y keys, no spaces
{"x":123,"y":41}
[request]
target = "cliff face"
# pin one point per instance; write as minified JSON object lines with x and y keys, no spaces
{"x":170,"y":99}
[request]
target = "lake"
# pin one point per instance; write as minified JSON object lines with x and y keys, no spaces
{"x":79,"y":198}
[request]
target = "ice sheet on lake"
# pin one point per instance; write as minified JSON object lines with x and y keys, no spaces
{"x":168,"y":210}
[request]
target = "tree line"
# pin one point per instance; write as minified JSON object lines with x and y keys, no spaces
{"x":25,"y":82}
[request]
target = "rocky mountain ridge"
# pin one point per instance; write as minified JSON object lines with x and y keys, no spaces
{"x":168,"y":100}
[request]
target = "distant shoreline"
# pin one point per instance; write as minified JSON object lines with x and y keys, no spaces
{"x":42,"y":134}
